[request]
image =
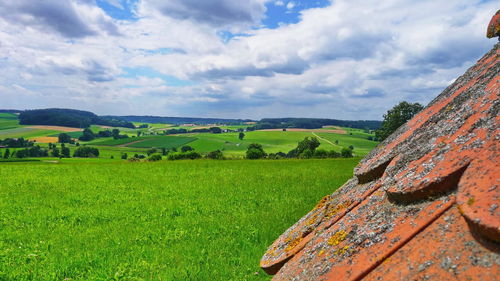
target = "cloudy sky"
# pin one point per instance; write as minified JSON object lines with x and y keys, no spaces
{"x":345,"y":59}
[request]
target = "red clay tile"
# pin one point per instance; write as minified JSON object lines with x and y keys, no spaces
{"x":389,"y":217}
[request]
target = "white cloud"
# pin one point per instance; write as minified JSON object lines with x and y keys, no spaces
{"x":353,"y":59}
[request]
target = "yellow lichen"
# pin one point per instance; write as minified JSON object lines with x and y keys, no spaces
{"x":341,"y":251}
{"x":471,"y":201}
{"x":293,"y":243}
{"x":332,"y":211}
{"x":336,"y":238}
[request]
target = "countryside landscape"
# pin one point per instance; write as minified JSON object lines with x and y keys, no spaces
{"x":249,"y":140}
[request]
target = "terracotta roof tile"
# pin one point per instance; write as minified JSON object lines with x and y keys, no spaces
{"x":423,"y":204}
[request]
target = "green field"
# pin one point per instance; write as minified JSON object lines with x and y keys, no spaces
{"x":184,"y":220}
{"x":162,"y":142}
{"x":8,"y":121}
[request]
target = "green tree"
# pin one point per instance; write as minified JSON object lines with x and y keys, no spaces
{"x":65,"y":152}
{"x":346,"y":152}
{"x":255,"y":151}
{"x":88,"y":135}
{"x":64,"y":138}
{"x":124,"y":156}
{"x":186,"y":148}
{"x":55,"y":152}
{"x":86,"y":152}
{"x":115,"y":133}
{"x":217,"y":154}
{"x":307,"y":144}
{"x":6,"y":154}
{"x":396,"y":117}
{"x":241,"y":135}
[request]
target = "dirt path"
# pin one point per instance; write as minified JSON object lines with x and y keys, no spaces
{"x":323,"y":139}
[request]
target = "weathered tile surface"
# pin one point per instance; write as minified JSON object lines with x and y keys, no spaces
{"x":423,"y":205}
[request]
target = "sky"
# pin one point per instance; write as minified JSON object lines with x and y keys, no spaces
{"x":343,"y":59}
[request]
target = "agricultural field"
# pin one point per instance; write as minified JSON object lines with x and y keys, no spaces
{"x":162,"y":142}
{"x":273,"y":141}
{"x":8,"y":121}
{"x":97,"y":219}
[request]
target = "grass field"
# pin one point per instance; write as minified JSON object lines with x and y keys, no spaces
{"x":8,"y":121}
{"x":184,"y":220}
{"x":162,"y":142}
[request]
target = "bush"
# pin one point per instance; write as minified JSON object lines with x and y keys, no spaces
{"x":217,"y":154}
{"x":154,"y":157}
{"x":306,"y":154}
{"x":86,"y":152}
{"x":186,"y":148}
{"x":151,"y":151}
{"x":124,"y":156}
{"x":65,"y":138}
{"x":333,"y":154}
{"x":346,"y":152}
{"x":255,"y":151}
{"x":320,"y":153}
{"x":186,"y":155}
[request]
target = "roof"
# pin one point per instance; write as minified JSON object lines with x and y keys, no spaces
{"x":423,"y":205}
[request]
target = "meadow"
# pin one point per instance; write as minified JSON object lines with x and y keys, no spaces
{"x":97,"y":219}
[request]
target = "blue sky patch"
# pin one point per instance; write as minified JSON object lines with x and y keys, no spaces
{"x":288,"y":11}
{"x":121,"y":9}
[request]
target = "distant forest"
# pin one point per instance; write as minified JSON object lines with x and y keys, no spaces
{"x":179,"y":120}
{"x":83,"y":119}
{"x":314,"y":123}
{"x":68,"y":118}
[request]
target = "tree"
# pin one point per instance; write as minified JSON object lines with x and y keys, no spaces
{"x":215,"y":130}
{"x":65,"y":152}
{"x":154,"y":157}
{"x":6,"y":154}
{"x":124,"y":156}
{"x":86,"y":152}
{"x":88,"y":135}
{"x":55,"y":152}
{"x":351,"y":147}
{"x":241,"y":135}
{"x":307,"y":144}
{"x":64,"y":138}
{"x":186,"y":148}
{"x":396,"y":117}
{"x":255,"y":151}
{"x":115,"y":133}
{"x":217,"y":154}
{"x":346,"y":152}
{"x":139,"y":133}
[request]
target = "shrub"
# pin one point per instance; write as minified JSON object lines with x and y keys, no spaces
{"x":86,"y":152}
{"x":186,"y":148}
{"x":217,"y":154}
{"x":154,"y":157}
{"x":124,"y":156}
{"x":346,"y":152}
{"x":186,"y":155}
{"x":333,"y":154}
{"x":255,"y":151}
{"x":320,"y":153}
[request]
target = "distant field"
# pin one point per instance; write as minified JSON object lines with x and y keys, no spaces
{"x":8,"y":121}
{"x":113,"y":142}
{"x":162,"y":142}
{"x":95,"y":219}
{"x":23,"y":132}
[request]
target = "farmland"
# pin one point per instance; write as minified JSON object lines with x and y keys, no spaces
{"x":109,"y":219}
{"x":185,"y":220}
{"x":273,"y":141}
